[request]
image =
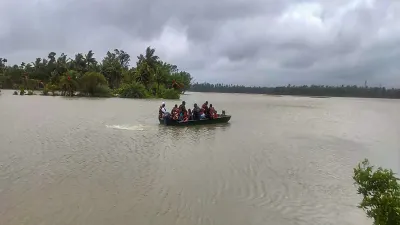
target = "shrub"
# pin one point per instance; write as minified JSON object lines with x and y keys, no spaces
{"x":133,"y":90}
{"x":30,"y":92}
{"x":102,"y":91}
{"x":52,"y":88}
{"x":32,"y":84}
{"x":170,"y":94}
{"x":15,"y":93}
{"x":93,"y":82}
{"x":45,"y":91}
{"x":21,"y":90}
{"x":381,"y":193}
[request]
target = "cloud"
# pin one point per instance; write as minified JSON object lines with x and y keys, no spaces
{"x":252,"y":42}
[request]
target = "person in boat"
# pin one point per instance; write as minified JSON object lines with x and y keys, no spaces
{"x":182,"y":110}
{"x":196,"y":112}
{"x":162,"y":112}
{"x":190,"y":115}
{"x":206,"y":109}
{"x":213,"y":112}
{"x":175,"y":112}
{"x":174,"y":108}
{"x":185,"y":116}
{"x":202,"y":114}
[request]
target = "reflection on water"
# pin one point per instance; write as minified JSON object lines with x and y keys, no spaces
{"x":284,"y":160}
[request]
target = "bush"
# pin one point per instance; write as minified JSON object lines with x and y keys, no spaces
{"x":102,"y":91}
{"x":170,"y":94}
{"x":30,"y":92}
{"x":15,"y":93}
{"x":133,"y":90}
{"x":52,"y":88}
{"x":381,"y":193}
{"x":21,"y":91}
{"x":32,"y":84}
{"x":93,"y":82}
{"x":45,"y":91}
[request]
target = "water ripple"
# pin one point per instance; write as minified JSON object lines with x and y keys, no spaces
{"x":98,"y":164}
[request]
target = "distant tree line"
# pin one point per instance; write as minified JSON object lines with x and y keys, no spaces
{"x":84,"y":74}
{"x":305,"y":90}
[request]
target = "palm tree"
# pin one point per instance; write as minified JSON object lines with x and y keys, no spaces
{"x":37,"y":63}
{"x":2,"y":64}
{"x":144,"y":73}
{"x":149,"y":57}
{"x":112,"y":70}
{"x":147,"y":66}
{"x":52,"y":57}
{"x":90,"y":60}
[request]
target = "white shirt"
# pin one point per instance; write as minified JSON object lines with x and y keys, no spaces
{"x":163,"y":110}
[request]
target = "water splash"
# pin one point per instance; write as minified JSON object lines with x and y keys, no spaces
{"x":127,"y":127}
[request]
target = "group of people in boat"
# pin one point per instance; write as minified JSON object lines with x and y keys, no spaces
{"x":182,"y":114}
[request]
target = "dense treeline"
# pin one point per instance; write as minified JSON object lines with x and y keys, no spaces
{"x":85,"y":75}
{"x":313,"y":90}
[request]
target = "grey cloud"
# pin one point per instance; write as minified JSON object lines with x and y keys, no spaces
{"x":255,"y":42}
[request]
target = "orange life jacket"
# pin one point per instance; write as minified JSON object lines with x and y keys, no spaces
{"x":213,"y":113}
{"x":175,"y":114}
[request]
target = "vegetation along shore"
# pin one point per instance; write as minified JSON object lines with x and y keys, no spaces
{"x":84,"y":75}
{"x":312,"y":90}
{"x":150,"y":77}
{"x":380,"y":191}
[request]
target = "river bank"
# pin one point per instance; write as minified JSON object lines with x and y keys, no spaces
{"x":131,"y":91}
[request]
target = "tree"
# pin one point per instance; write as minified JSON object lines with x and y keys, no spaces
{"x":52,"y":57}
{"x":381,"y":193}
{"x":146,"y":67}
{"x":149,"y":57}
{"x":123,"y":58}
{"x":79,"y":63}
{"x":161,"y":74}
{"x":90,"y":60}
{"x":2,"y":64}
{"x":180,"y":81}
{"x":61,"y":67}
{"x":144,"y":74}
{"x":112,"y":69}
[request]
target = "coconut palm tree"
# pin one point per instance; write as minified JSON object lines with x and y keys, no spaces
{"x":68,"y":83}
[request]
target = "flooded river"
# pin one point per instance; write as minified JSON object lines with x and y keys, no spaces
{"x":280,"y":160}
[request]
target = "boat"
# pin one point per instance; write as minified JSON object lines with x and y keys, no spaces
{"x":221,"y":119}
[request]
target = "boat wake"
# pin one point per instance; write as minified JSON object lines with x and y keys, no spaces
{"x":127,"y":127}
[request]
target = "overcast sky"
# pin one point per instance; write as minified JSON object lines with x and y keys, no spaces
{"x":251,"y":42}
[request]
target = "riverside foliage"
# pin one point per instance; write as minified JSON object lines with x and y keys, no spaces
{"x":381,"y":193}
{"x":86,"y":76}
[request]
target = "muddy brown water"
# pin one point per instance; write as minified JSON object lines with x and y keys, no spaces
{"x":280,"y":160}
